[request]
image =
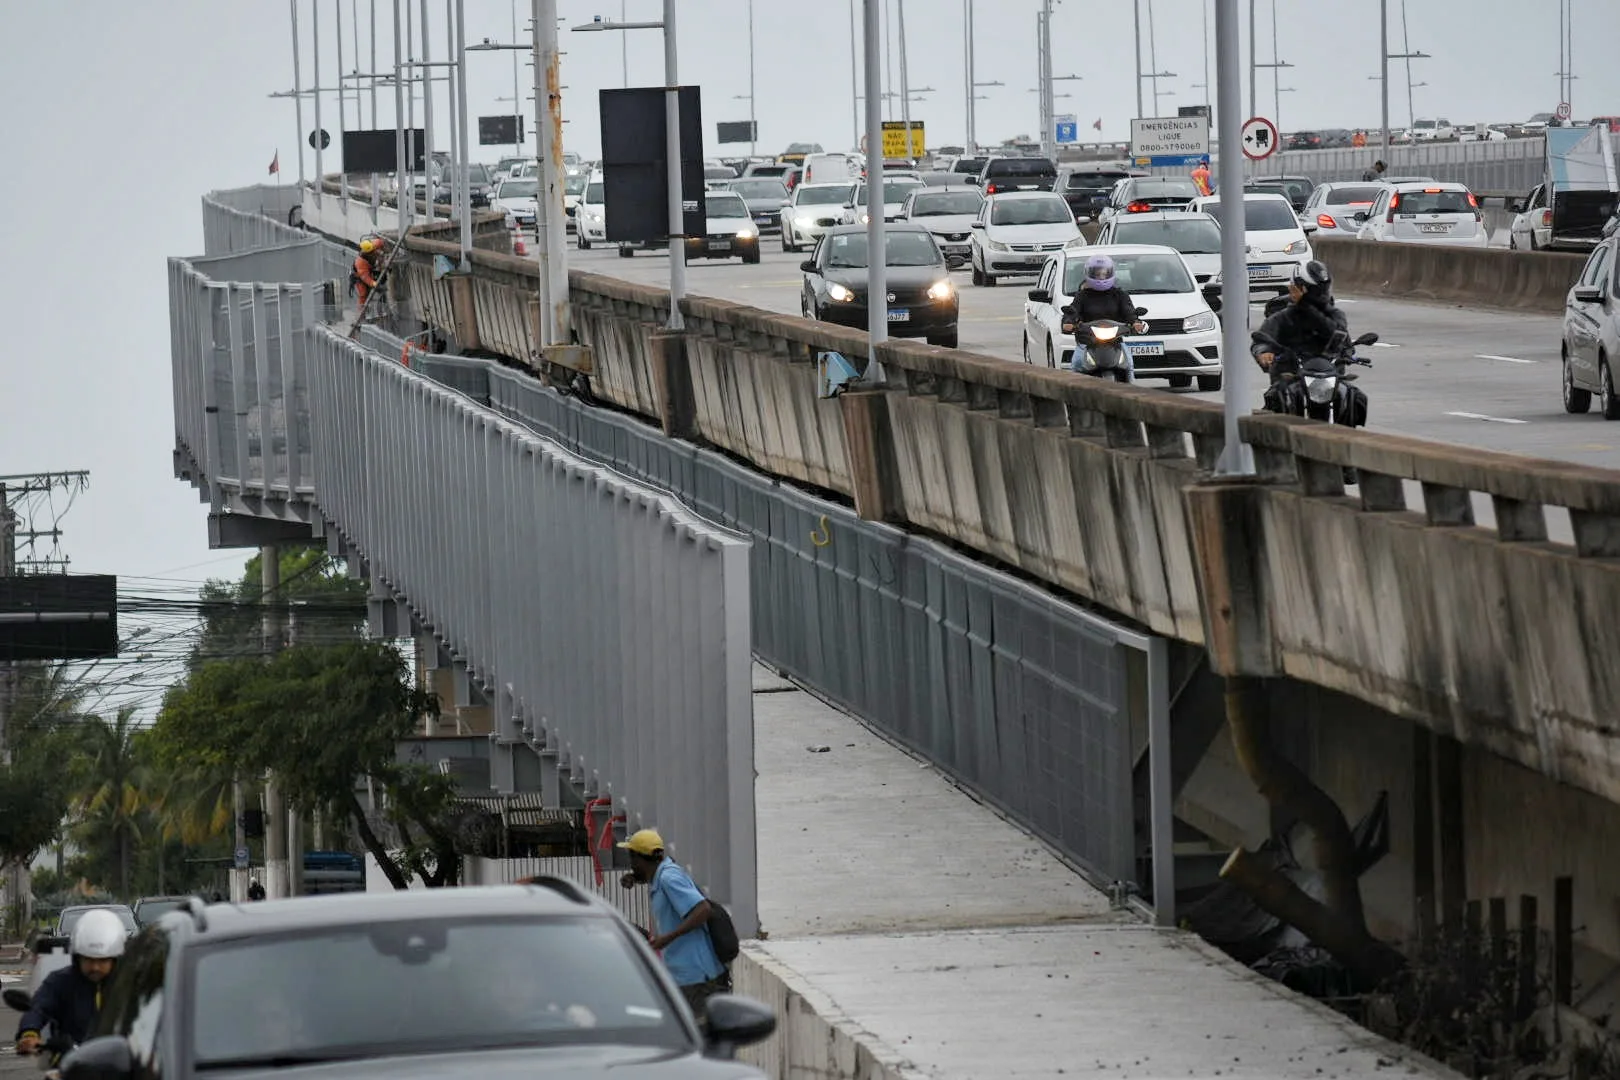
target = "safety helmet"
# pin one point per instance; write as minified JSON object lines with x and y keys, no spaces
{"x":1099,"y":272}
{"x":1313,"y":276}
{"x":99,"y":935}
{"x":367,"y":246}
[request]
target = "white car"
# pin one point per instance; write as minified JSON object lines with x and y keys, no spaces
{"x":895,"y":191}
{"x":1592,"y":333}
{"x":1183,"y":339}
{"x":813,"y":209}
{"x":573,"y":188}
{"x":1273,"y":234}
{"x":517,"y":197}
{"x":948,"y":213}
{"x":1429,"y":130}
{"x":591,"y":217}
{"x":1015,"y":232}
{"x":1196,"y":236}
{"x":1436,"y":213}
{"x":1532,"y":226}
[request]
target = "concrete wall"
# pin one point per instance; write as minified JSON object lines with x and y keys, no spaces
{"x":1491,"y":277}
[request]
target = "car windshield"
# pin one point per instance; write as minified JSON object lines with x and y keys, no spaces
{"x":1022,"y":167}
{"x":1092,"y":181}
{"x":1352,"y":196}
{"x":1140,"y":275}
{"x":1260,"y":215}
{"x":1422,"y":125}
{"x":946,"y":202}
{"x":825,"y":196}
{"x":720,"y":205}
{"x":1190,"y":236}
{"x":894,"y":191}
{"x":517,"y":189}
{"x":1434,"y":202}
{"x":514,"y":982}
{"x":972,"y":165}
{"x":760,"y":189}
{"x":1296,"y":189}
{"x":849,"y":251}
{"x":1158,"y":188}
{"x":1053,"y":211}
{"x":593,"y":192}
{"x":71,"y":917}
{"x":153,"y":910}
{"x":719,"y":174}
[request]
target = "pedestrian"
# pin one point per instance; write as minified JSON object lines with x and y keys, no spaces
{"x":255,"y":890}
{"x":1359,"y":139}
{"x":364,"y":276}
{"x":1201,"y":177}
{"x":1374,"y":174}
{"x":680,"y":916}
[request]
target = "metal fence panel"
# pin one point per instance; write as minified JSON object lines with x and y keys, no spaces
{"x":1515,"y":166}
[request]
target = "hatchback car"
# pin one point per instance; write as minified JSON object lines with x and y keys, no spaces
{"x":1333,"y":207}
{"x":895,"y":191}
{"x":516,"y":197}
{"x":591,"y":217}
{"x":1145,"y":194}
{"x":813,"y":210}
{"x":1183,"y":339}
{"x":921,"y":300}
{"x":1273,"y":234}
{"x":1591,"y":345}
{"x":1438,"y":213}
{"x":949,"y":214}
{"x":545,"y":980}
{"x":728,"y":229}
{"x":1015,"y":232}
{"x":1086,"y":188}
{"x":1017,"y":174}
{"x":1196,"y":236}
{"x":765,"y":198}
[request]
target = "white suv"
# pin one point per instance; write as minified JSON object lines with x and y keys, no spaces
{"x":1430,"y":130}
{"x":1424,"y":213}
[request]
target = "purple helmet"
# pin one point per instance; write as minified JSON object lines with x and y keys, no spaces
{"x":1099,"y":273}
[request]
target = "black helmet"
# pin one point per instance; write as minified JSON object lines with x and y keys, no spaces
{"x":1313,"y":276}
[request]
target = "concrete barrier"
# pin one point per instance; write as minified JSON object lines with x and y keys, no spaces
{"x":1534,"y":281}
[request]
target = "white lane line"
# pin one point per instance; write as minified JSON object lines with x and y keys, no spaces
{"x":1490,"y":419}
{"x":1505,"y":359}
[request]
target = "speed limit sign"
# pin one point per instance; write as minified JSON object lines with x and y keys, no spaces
{"x":1563,"y":110}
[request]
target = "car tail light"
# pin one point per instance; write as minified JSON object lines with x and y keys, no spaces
{"x":1394,"y":201}
{"x":1326,"y":221}
{"x":1473,"y":201}
{"x":991,"y":188}
{"x":1546,"y":216}
{"x":1433,"y":190}
{"x":1139,"y":207}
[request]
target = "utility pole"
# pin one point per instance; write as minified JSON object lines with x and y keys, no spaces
{"x":551,"y":221}
{"x":275,"y":814}
{"x":1136,"y":13}
{"x":905,"y":82}
{"x":8,"y":556}
{"x":427,"y":106}
{"x":967,"y":66}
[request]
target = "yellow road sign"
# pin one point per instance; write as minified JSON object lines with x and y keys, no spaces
{"x":894,"y":139}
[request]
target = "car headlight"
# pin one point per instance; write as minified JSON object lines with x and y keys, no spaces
{"x":940,"y":290}
{"x":594,"y":216}
{"x":866,"y":219}
{"x":996,"y":245}
{"x":1298,"y":247}
{"x":840,"y":293}
{"x":805,"y":220}
{"x":1197,"y":324}
{"x":1320,"y":389}
{"x":746,"y":234}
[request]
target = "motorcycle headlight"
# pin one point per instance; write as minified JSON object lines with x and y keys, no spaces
{"x":840,"y":293}
{"x":1320,"y":389}
{"x":1105,"y":333}
{"x":940,"y":290}
{"x":1298,"y":247}
{"x":1197,"y":324}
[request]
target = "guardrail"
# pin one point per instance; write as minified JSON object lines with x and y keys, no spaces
{"x":1536,"y":281}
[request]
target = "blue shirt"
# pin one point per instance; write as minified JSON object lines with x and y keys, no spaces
{"x":690,"y":957}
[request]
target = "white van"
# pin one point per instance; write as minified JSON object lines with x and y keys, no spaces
{"x":826,"y":169}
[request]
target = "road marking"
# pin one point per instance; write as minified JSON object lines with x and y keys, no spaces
{"x":1490,"y":419}
{"x":1505,"y":359}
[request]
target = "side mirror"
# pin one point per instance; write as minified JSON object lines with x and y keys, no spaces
{"x":1040,"y":296}
{"x":106,"y":1058}
{"x":17,"y":998}
{"x":1309,"y":227}
{"x":974,"y":180}
{"x":1360,"y":216}
{"x":734,"y":1022}
{"x":977,"y":225}
{"x":808,"y":266}
{"x":48,"y":944}
{"x":1141,"y":311}
{"x":1366,"y":339}
{"x":1588,"y":294}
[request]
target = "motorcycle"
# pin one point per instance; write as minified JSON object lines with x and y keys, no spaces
{"x":1104,"y":356}
{"x":1318,"y":387}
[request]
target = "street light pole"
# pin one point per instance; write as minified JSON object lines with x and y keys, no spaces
{"x":1136,"y":13}
{"x":427,"y":109}
{"x":298,"y":94}
{"x":905,"y":81}
{"x":753,"y":124}
{"x":374,"y":68}
{"x":400,"y":163}
{"x":877,"y":283}
{"x":967,"y":68}
{"x":854,"y":84}
{"x":320,"y":173}
{"x":1236,"y":459}
{"x":672,"y":139}
{"x":464,"y":175}
{"x":548,"y":136}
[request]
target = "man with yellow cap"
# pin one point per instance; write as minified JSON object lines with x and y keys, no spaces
{"x":680,"y":915}
{"x":365,"y":269}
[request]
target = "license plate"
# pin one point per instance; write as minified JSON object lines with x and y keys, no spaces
{"x":762,"y":219}
{"x":719,"y":245}
{"x":958,"y":249}
{"x":1036,"y":259}
{"x":1145,"y":348}
{"x":1435,"y":228}
{"x":1259,"y":272}
{"x":899,"y":314}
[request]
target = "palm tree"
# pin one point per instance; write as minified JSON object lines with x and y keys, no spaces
{"x":112,"y":802}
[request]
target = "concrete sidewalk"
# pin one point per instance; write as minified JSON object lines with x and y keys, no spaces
{"x":913,"y":932}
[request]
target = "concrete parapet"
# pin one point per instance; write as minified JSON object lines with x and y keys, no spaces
{"x":1490,"y":277}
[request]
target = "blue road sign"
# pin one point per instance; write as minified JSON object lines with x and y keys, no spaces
{"x":1068,"y":131}
{"x":241,"y":858}
{"x":1171,"y":159}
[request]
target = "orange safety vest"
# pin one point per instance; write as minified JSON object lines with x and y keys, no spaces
{"x":1200,"y":177}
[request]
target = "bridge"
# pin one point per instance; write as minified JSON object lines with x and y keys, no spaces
{"x":1024,"y":578}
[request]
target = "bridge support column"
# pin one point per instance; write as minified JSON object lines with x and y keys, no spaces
{"x":870,"y":443}
{"x":463,"y":310}
{"x":672,"y":380}
{"x":1228,"y":541}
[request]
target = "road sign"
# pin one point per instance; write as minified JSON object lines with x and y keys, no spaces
{"x":241,"y":858}
{"x":894,"y":140}
{"x":1067,"y":130}
{"x":319,"y":139}
{"x":1563,"y":110}
{"x":1170,"y":136}
{"x":1259,"y":138}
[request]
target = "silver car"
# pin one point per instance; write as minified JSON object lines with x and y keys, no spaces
{"x":948,"y":213}
{"x":813,"y":209}
{"x":1592,"y":334}
{"x":1334,"y":207}
{"x":1016,"y":231}
{"x":765,"y":197}
{"x":895,"y":191}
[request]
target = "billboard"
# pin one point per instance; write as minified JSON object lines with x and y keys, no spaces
{"x":376,"y":152}
{"x":58,"y":617}
{"x":895,"y":144}
{"x":736,"y":131}
{"x":635,"y":167}
{"x":1169,"y":140}
{"x":500,"y":130}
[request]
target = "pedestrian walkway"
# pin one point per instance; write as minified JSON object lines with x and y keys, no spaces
{"x":913,"y":932}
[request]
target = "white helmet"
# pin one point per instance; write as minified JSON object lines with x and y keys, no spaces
{"x":99,"y":935}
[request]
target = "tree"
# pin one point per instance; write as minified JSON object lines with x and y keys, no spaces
{"x":324,"y":719}
{"x":329,"y":605}
{"x":113,"y":793}
{"x":36,"y":787}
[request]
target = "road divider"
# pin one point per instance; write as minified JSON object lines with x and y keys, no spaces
{"x":1530,"y":281}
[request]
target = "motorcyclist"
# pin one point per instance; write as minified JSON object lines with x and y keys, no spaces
{"x":1311,"y":324}
{"x":70,"y":998}
{"x":1099,"y":297}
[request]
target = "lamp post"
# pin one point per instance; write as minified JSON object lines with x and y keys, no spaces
{"x":753,"y":124}
{"x":1236,"y":459}
{"x":297,"y":93}
{"x":672,"y":136}
{"x":1385,"y":56}
{"x":877,"y":283}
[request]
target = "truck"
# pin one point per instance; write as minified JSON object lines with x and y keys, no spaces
{"x":1569,"y":209}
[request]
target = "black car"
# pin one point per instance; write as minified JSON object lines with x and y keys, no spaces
{"x":1017,"y":174}
{"x":480,"y":185}
{"x":1297,"y":189}
{"x":765,"y":196}
{"x":505,"y":983}
{"x":1086,"y":188}
{"x":922,"y":302}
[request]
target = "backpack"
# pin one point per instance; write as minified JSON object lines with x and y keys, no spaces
{"x":723,"y":933}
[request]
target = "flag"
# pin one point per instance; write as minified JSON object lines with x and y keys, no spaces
{"x":275,"y":163}
{"x":1098,"y":124}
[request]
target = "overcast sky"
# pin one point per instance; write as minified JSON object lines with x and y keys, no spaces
{"x":119,"y":116}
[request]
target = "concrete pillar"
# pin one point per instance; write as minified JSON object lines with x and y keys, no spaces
{"x":1228,"y":536}
{"x":295,"y":852}
{"x":672,"y":381}
{"x":275,"y":841}
{"x":870,"y":443}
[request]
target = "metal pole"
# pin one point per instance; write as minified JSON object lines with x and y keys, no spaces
{"x":905,"y":82}
{"x":1153,"y":56}
{"x":409,"y":196}
{"x":624,"y":51}
{"x":427,"y":110}
{"x":1276,"y":77}
{"x":373,"y":64}
{"x":1161,"y":797}
{"x":315,"y":30}
{"x":343,"y":175}
{"x":1136,"y":13}
{"x":854,"y":87}
{"x":1254,"y":59}
{"x":452,"y":121}
{"x":517,"y":98}
{"x":1048,"y":102}
{"x":551,"y":221}
{"x":464,"y":176}
{"x":877,"y":285}
{"x":967,"y":69}
{"x":1569,"y":59}
{"x":275,"y":841}
{"x":672,"y":151}
{"x":888,"y":63}
{"x":1406,"y":47}
{"x":399,"y":125}
{"x":1383,"y":69}
{"x":1236,"y":458}
{"x":354,"y":33}
{"x":298,"y":94}
{"x":1208,"y":92}
{"x":753,"y":124}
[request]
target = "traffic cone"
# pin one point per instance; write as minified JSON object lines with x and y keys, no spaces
{"x":520,"y":246}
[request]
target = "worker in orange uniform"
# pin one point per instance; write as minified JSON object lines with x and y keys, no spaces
{"x":1358,"y":140}
{"x":365,"y":269}
{"x":1200,"y":177}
